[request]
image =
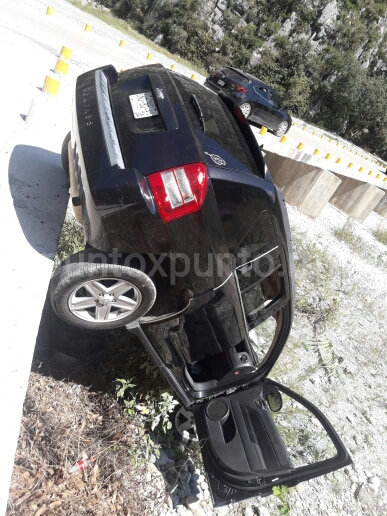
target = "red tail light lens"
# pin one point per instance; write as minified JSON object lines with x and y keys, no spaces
{"x":236,"y":87}
{"x":179,"y":191}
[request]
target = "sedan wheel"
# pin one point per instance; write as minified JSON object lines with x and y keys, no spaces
{"x":246,"y":109}
{"x":281,"y":129}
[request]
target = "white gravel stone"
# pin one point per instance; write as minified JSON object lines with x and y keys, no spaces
{"x":192,"y":502}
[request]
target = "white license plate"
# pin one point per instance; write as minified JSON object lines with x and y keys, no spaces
{"x":221,"y":83}
{"x":143,"y":105}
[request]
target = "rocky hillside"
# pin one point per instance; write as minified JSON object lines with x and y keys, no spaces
{"x":326,"y":58}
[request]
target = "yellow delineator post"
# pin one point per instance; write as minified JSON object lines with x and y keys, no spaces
{"x":350,"y":165}
{"x":385,"y":179}
{"x":316,"y":152}
{"x":300,"y":146}
{"x":149,"y":56}
{"x":304,"y":128}
{"x":361,"y":169}
{"x":122,"y":43}
{"x":377,"y":176}
{"x":87,"y":27}
{"x":337,"y":144}
{"x":370,"y":173}
{"x":51,"y":85}
{"x":328,"y":156}
{"x":322,"y":136}
{"x":263,"y":130}
{"x":66,"y":53}
{"x":50,"y":11}
{"x":330,"y":140}
{"x":339,"y":160}
{"x":62,"y":66}
{"x":193,"y":77}
{"x":283,"y":139}
{"x":294,"y":123}
{"x":313,"y":133}
{"x":173,"y":67}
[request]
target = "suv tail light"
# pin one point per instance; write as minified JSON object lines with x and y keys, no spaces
{"x":179,"y":191}
{"x":236,"y":87}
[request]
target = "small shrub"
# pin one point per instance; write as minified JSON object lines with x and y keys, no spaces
{"x":347,"y":235}
{"x":381,"y":235}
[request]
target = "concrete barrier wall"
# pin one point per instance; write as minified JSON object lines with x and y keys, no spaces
{"x":381,"y":207}
{"x":305,"y":186}
{"x":356,"y":198}
{"x":309,"y":186}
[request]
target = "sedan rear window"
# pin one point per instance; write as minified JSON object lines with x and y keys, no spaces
{"x":235,"y":76}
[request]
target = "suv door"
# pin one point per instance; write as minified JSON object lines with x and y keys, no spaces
{"x":246,"y":451}
{"x":275,"y":116}
{"x":262,"y":106}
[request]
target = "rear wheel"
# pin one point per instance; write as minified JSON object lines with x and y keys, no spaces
{"x":99,"y":296}
{"x":65,"y":153}
{"x":246,"y":109}
{"x":282,"y":128}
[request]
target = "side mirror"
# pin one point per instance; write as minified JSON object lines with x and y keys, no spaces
{"x":274,"y":400}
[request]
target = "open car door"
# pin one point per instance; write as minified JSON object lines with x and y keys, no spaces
{"x":247,"y":449}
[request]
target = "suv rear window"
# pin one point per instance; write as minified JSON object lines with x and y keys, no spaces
{"x":235,"y":76}
{"x":220,"y":127}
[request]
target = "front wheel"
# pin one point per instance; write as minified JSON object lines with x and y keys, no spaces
{"x":99,"y":296}
{"x":246,"y":109}
{"x":282,"y":128}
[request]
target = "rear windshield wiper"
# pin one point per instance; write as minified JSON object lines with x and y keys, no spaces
{"x":198,"y":111}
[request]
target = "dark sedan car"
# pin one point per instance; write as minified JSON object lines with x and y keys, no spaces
{"x":189,"y":247}
{"x":257,"y":100}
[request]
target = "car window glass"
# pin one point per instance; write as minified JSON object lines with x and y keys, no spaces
{"x":235,"y":76}
{"x":220,"y":128}
{"x":274,"y":100}
{"x":262,"y":92}
{"x":260,"y":239}
{"x":262,"y":336}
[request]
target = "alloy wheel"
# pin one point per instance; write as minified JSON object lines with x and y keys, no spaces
{"x":104,"y":300}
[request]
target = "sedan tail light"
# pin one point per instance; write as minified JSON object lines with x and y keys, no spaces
{"x":236,"y":87}
{"x":179,"y":191}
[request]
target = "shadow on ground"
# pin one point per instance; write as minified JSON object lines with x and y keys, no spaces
{"x":91,"y":358}
{"x":39,"y":190}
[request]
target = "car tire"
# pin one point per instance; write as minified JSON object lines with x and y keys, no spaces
{"x":65,"y":153}
{"x":282,"y":128}
{"x":246,"y":109}
{"x":100,"y":296}
{"x":183,"y":426}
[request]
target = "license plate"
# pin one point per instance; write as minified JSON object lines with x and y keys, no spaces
{"x":143,"y":105}
{"x":221,"y":83}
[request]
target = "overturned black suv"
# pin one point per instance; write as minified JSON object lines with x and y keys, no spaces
{"x":188,"y":246}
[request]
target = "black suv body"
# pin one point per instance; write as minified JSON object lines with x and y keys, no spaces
{"x":188,"y":246}
{"x":257,"y":100}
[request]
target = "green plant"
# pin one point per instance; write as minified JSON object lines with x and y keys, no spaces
{"x":71,"y":239}
{"x":381,"y":235}
{"x":153,"y":404}
{"x":281,"y":492}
